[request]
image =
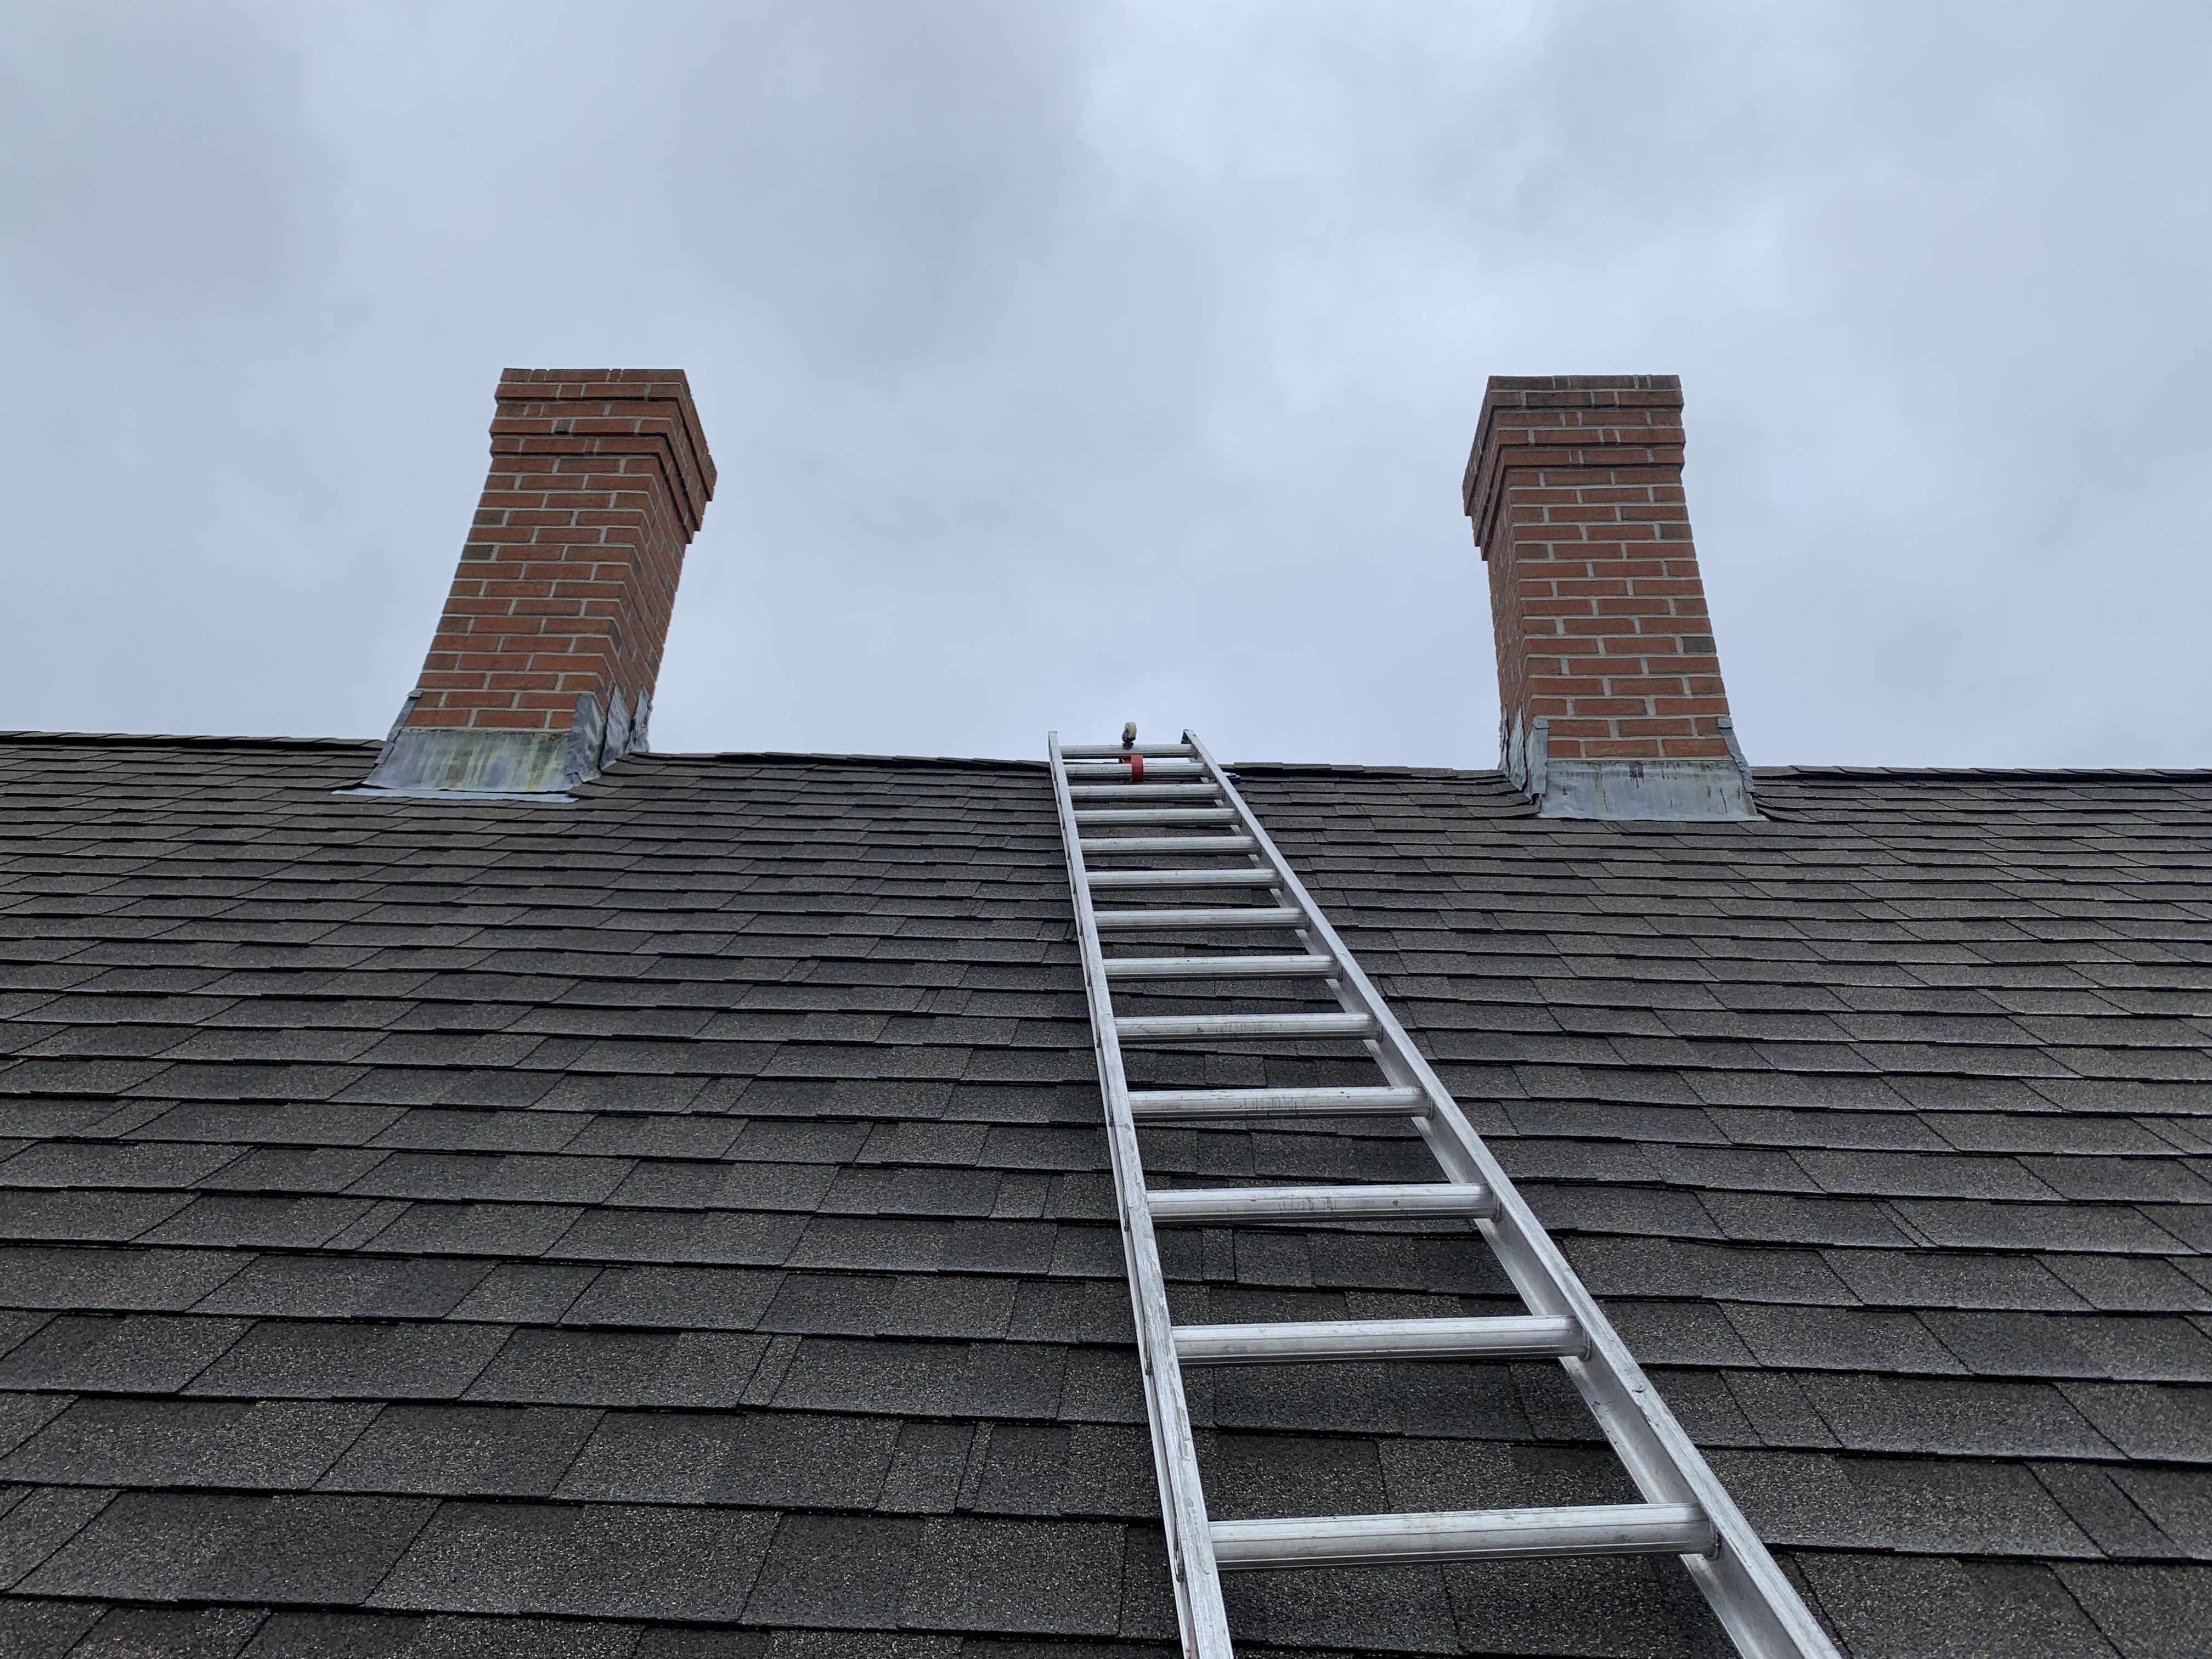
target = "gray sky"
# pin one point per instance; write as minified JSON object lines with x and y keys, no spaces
{"x":1073,"y":362}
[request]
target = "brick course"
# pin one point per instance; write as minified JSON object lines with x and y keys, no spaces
{"x":1575,"y":487}
{"x":599,"y":479}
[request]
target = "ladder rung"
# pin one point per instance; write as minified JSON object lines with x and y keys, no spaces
{"x":1182,"y":878}
{"x":1374,"y":1540}
{"x":1121,"y":769}
{"x":1114,"y":751}
{"x":1272,"y":1103}
{"x":1164,"y":1028}
{"x":1198,"y":844}
{"x":1217,"y":967}
{"x":1257,"y":915}
{"x":1161,"y":815}
{"x":1306,"y":1342}
{"x":1144,"y":791}
{"x":1193,"y":1204}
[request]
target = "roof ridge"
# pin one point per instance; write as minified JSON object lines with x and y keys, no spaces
{"x":184,"y":739}
{"x":1281,"y":769}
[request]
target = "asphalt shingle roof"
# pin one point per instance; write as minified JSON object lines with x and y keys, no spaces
{"x":676,"y":1223}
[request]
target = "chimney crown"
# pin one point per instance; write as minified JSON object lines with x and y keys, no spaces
{"x":1610,"y":698}
{"x":543,"y":667}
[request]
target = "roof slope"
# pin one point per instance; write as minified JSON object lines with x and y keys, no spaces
{"x":676,"y":1223}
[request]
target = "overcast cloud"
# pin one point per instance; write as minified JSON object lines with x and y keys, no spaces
{"x":1071,"y":363}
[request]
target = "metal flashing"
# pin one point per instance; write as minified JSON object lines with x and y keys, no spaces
{"x":428,"y":763}
{"x":1645,"y":791}
{"x":1626,"y":791}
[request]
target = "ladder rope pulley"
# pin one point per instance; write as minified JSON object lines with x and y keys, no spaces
{"x":1686,"y":1512}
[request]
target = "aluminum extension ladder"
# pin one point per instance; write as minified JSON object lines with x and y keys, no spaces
{"x":1185,"y":807}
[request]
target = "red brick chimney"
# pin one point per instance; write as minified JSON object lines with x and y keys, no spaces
{"x":543,"y":667}
{"x":1610,"y":702}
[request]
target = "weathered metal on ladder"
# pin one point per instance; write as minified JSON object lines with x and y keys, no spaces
{"x":1685,"y":1512}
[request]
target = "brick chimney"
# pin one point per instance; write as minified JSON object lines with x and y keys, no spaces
{"x":1610,"y":702}
{"x":542,"y":670}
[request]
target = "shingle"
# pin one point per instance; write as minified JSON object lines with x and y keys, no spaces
{"x":2132,"y":1284}
{"x":2167,"y":1180}
{"x":1842,"y":1338}
{"x":2011,"y":1226}
{"x":1958,"y":1417}
{"x":85,"y":1215}
{"x":292,"y":1635}
{"x":140,"y":1354}
{"x":1664,"y":1268}
{"x":608,"y":1235}
{"x":607,"y":1560}
{"x":680,"y":1642}
{"x":1931,"y":1278}
{"x":185,"y":1546}
{"x":526,"y":1293}
{"x":271,"y":1124}
{"x":122,"y":1442}
{"x":2113,"y":1521}
{"x":927,"y":1465}
{"x":668,"y":1137}
{"x":338,"y":1287}
{"x":115,"y":1164}
{"x":1891,"y":1604}
{"x":695,"y":1298}
{"x":833,"y":1572}
{"x":668,"y":1457}
{"x":320,"y":1359}
{"x":171,"y":1633}
{"x":1060,"y":1579}
{"x":262,"y":1223}
{"x":490,"y":1451}
{"x":2179,"y":1501}
{"x":2161,"y":1610}
{"x":41,"y":1520}
{"x":842,"y":1242}
{"x":90,"y":1280}
{"x":796,"y":1460}
{"x":478,"y":1229}
{"x":1776,"y":1218}
{"x":1253,"y":1476}
{"x":1612,"y":1608}
{"x":2139,"y":1348}
{"x":605,"y":1368}
{"x":22,"y":1415}
{"x":2164,"y":1422}
{"x":1921,"y":1505}
{"x":43,"y":1630}
{"x":513,"y":1177}
{"x":1025,"y":1470}
{"x":297,"y":1170}
{"x":486,"y":1112}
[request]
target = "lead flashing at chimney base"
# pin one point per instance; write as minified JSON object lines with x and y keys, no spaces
{"x":1610,"y":699}
{"x":542,"y":671}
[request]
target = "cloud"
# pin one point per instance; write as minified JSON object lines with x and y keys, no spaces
{"x":1065,"y":364}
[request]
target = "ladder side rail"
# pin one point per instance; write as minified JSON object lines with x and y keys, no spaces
{"x":1203,"y":1619}
{"x":1759,"y":1607}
